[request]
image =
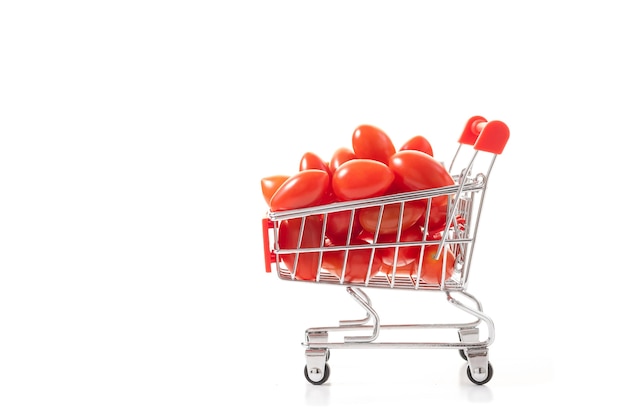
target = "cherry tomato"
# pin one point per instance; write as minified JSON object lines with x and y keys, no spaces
{"x":361,"y":178}
{"x":328,"y":198}
{"x":270,"y":184}
{"x":288,"y":236}
{"x":340,"y":156}
{"x":368,"y":217}
{"x":311,"y":160}
{"x":357,"y":263}
{"x":406,"y":254}
{"x":418,"y":143}
{"x":416,"y":170}
{"x":370,"y":142}
{"x":303,"y":189}
{"x":338,"y":223}
{"x":432,"y":269}
{"x":409,"y":269}
{"x":436,"y":219}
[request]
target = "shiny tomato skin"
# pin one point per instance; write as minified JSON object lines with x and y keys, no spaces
{"x":303,"y":189}
{"x":370,"y":142}
{"x":368,"y":217}
{"x":288,"y":235}
{"x":406,"y":254}
{"x":418,"y":143}
{"x":340,"y":156}
{"x":270,"y":184}
{"x":432,"y":269}
{"x":361,"y":178}
{"x":416,"y":170}
{"x":357,"y":264}
{"x":311,"y":160}
{"x":437,"y":218}
{"x":406,"y":270}
{"x":338,"y":224}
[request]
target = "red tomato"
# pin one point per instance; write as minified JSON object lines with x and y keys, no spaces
{"x":361,"y":178}
{"x":338,"y":223}
{"x":270,"y":184}
{"x":409,"y":269}
{"x":406,"y":254}
{"x":368,"y":217}
{"x":340,"y":156}
{"x":432,"y":269}
{"x":418,"y":143}
{"x":416,"y":170}
{"x":288,"y":237}
{"x":395,"y":187}
{"x":357,"y":264}
{"x":312,"y":161}
{"x":436,"y":220}
{"x":328,"y":198}
{"x":303,"y":189}
{"x":370,"y":142}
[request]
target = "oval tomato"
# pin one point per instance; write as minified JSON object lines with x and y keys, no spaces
{"x":368,"y":217}
{"x":356,"y":265}
{"x":270,"y":184}
{"x":311,"y":160}
{"x":416,"y":170}
{"x":406,"y":254}
{"x":288,"y":238}
{"x":340,"y":156}
{"x":437,"y":218}
{"x":303,"y":189}
{"x":370,"y":142}
{"x":361,"y":178}
{"x":418,"y":143}
{"x":338,"y":223}
{"x":407,"y":270}
{"x":433,"y":269}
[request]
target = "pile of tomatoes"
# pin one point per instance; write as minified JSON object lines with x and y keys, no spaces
{"x":371,"y":167}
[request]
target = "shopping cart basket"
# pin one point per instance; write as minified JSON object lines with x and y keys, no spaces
{"x":435,"y":258}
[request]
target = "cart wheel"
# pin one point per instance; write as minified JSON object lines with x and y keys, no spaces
{"x":489,"y":375}
{"x":324,"y":377}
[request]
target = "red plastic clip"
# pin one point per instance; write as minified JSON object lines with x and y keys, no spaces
{"x":470,"y":133}
{"x":493,"y":137}
{"x":270,"y":257}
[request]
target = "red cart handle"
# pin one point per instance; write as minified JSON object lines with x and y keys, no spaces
{"x":485,"y":136}
{"x":270,"y":257}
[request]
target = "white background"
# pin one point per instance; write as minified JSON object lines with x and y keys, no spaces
{"x":133,"y":136}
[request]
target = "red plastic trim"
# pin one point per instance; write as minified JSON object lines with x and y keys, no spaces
{"x":470,"y":133}
{"x":270,"y":257}
{"x":493,"y":137}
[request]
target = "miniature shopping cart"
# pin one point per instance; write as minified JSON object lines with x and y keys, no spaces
{"x":449,"y":250}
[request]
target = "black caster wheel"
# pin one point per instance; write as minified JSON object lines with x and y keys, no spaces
{"x":321,"y":381}
{"x":489,"y":375}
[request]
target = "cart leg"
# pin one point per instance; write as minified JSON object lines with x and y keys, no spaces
{"x":316,"y":370}
{"x":364,"y":301}
{"x":362,"y":298}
